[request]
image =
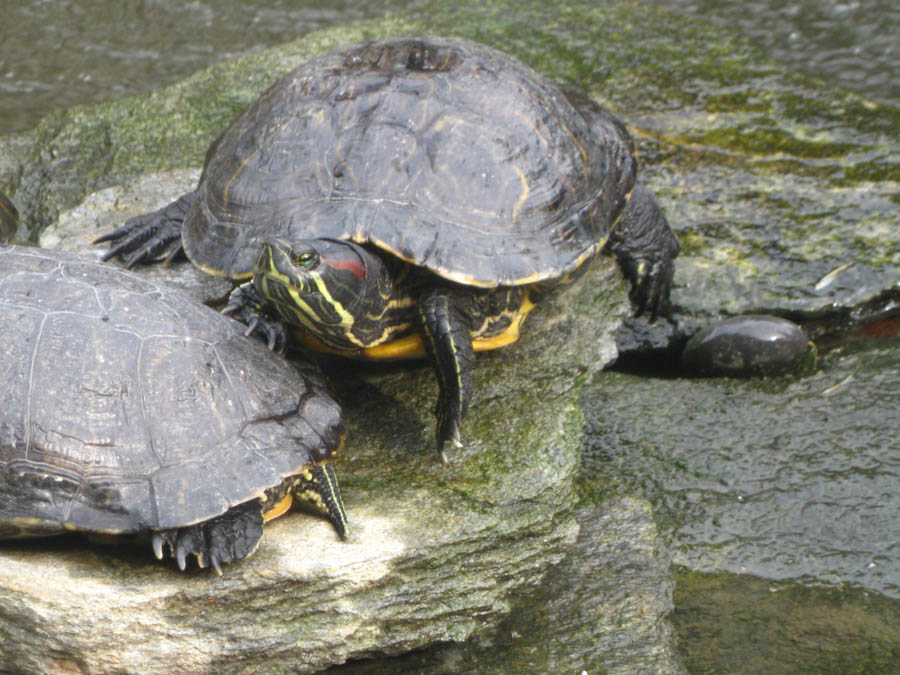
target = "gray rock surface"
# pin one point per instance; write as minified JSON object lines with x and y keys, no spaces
{"x":603,"y":609}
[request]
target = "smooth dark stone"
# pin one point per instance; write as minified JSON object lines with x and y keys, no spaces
{"x":753,"y":345}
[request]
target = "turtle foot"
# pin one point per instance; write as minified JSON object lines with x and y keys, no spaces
{"x":151,"y":237}
{"x":646,"y":249}
{"x":319,"y":488}
{"x":244,"y":305}
{"x":650,"y":284}
{"x":232,"y":536}
{"x":447,"y":430}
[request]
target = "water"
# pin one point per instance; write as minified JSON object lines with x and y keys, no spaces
{"x":851,"y":43}
{"x":58,"y":53}
{"x":54,"y":54}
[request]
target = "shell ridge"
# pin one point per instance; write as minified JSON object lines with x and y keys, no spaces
{"x":142,"y":397}
{"x":30,"y":396}
{"x":231,"y":384}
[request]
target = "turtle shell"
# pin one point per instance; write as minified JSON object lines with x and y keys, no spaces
{"x":446,"y":153}
{"x":127,"y":406}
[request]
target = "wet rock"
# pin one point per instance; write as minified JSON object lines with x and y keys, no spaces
{"x":606,"y":604}
{"x":753,"y":345}
{"x":604,"y":608}
{"x":791,"y":479}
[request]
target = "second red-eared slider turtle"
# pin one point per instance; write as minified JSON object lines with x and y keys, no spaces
{"x":409,"y":191}
{"x":126,"y":407}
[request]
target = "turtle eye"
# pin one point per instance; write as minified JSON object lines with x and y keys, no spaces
{"x":306,"y":259}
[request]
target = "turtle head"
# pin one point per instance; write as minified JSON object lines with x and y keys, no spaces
{"x":326,"y":287}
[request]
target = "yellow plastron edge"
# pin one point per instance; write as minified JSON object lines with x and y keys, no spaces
{"x":412,"y":347}
{"x":280,"y":508}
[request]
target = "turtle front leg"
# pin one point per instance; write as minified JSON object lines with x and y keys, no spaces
{"x":446,"y":328}
{"x":232,"y":536}
{"x":247,"y":306}
{"x":151,"y":237}
{"x":646,"y":249}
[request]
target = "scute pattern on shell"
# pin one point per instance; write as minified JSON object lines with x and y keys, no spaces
{"x":125,"y":405}
{"x":447,"y":153}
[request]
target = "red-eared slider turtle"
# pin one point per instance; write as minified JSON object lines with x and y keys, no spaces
{"x":412,"y":190}
{"x":126,"y":407}
{"x":9,"y":219}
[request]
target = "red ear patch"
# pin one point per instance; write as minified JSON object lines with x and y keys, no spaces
{"x":354,"y":265}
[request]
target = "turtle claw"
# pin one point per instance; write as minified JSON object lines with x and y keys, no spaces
{"x":277,"y":337}
{"x":271,"y":331}
{"x":453,"y":434}
{"x":180,"y":544}
{"x":232,"y":536}
{"x":651,"y":286}
{"x":454,"y":440}
{"x":244,"y":305}
{"x":192,"y":541}
{"x":157,"y":248}
{"x":161,"y":540}
{"x":151,"y":237}
{"x":646,"y":249}
{"x":181,"y":556}
{"x":447,"y":432}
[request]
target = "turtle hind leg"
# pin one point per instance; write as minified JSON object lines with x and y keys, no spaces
{"x":646,"y":248}
{"x":151,"y":237}
{"x":231,"y":536}
{"x":446,"y":329}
